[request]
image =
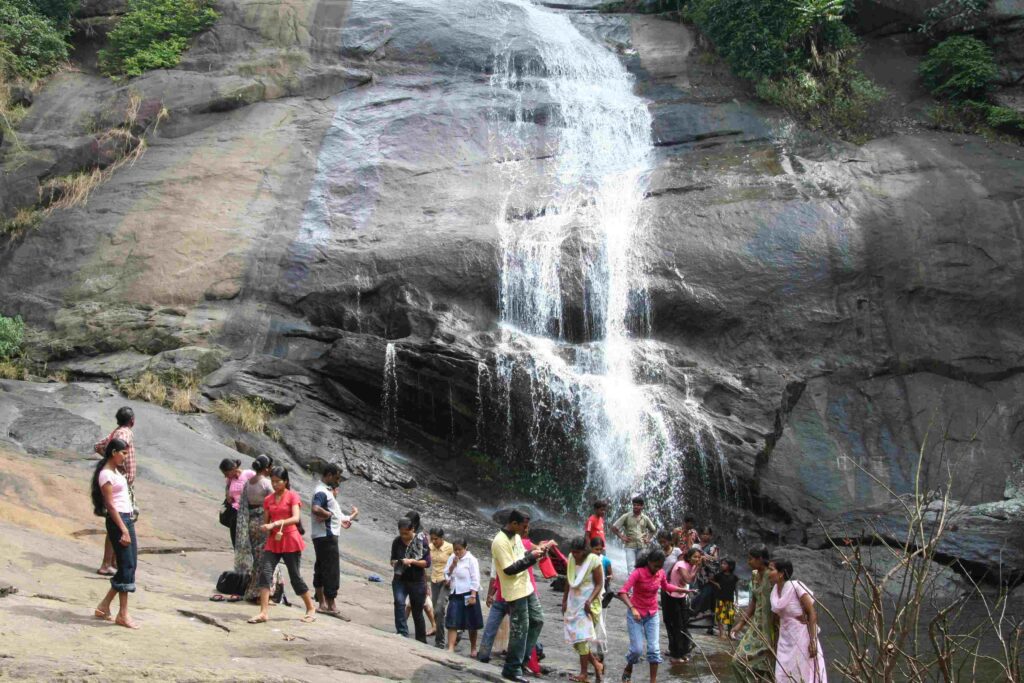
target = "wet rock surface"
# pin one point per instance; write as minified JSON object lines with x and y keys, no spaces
{"x":324,"y":187}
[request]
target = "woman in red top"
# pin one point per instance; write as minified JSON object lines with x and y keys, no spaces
{"x":281,"y":514}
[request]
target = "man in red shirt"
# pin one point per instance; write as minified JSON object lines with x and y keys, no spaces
{"x":595,"y":523}
{"x":125,"y":423}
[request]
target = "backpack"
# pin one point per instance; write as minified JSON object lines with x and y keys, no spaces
{"x":232,"y":583}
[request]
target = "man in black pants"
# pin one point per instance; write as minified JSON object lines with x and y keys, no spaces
{"x":327,"y":521}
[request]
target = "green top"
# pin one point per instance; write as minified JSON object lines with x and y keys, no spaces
{"x":634,"y":527}
{"x":753,"y":661}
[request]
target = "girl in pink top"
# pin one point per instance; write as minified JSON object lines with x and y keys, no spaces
{"x":281,"y":515}
{"x":798,"y":654}
{"x":677,"y":609}
{"x":640,"y":593}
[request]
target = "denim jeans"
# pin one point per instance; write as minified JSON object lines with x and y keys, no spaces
{"x":416,"y":592}
{"x":127,"y":556}
{"x":498,"y":611}
{"x":631,"y":554}
{"x":527,"y":620}
{"x":647,"y":629}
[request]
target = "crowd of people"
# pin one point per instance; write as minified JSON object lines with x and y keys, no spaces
{"x":675,"y":576}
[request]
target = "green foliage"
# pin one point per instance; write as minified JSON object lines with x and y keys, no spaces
{"x":841,"y":103}
{"x":60,"y":11}
{"x":959,"y":68}
{"x":953,"y":15}
{"x":12,"y":334}
{"x":153,"y":34}
{"x":981,"y":118}
{"x":31,"y":45}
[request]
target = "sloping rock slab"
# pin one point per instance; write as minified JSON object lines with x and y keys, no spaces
{"x":42,"y":431}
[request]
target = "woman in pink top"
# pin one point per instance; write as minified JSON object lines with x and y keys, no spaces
{"x":235,"y":478}
{"x":110,"y":498}
{"x":281,"y":515}
{"x":677,"y":608}
{"x":640,"y":593}
{"x":798,"y":654}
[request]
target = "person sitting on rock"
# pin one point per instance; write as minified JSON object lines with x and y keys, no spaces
{"x":125,"y":417}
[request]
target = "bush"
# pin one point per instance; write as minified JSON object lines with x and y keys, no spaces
{"x":959,"y":68}
{"x":841,"y":103}
{"x":175,"y":390}
{"x":12,"y":334}
{"x":153,"y":34}
{"x":31,"y":45}
{"x":249,"y":413}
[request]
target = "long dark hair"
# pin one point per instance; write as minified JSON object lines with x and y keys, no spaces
{"x":99,"y":508}
{"x":282,"y":473}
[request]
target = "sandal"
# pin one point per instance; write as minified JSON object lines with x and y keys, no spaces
{"x":579,"y":679}
{"x":216,"y":597}
{"x":308,"y":619}
{"x":106,"y":571}
{"x":233,"y":598}
{"x":257,"y":620}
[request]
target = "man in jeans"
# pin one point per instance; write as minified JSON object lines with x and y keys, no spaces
{"x":635,"y":531}
{"x":498,"y":609}
{"x":511,"y":560}
{"x":326,"y":523}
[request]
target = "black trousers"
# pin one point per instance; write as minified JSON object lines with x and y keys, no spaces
{"x":231,"y":515}
{"x":676,"y":612}
{"x":327,"y":568}
{"x":291,"y":563}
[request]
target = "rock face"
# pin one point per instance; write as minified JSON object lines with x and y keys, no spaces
{"x":326,"y":186}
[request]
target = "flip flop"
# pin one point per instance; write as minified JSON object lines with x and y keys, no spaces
{"x":106,"y":572}
{"x":256,"y":620}
{"x":233,"y":598}
{"x":216,"y":597}
{"x":308,"y":619}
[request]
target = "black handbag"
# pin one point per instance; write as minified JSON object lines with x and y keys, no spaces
{"x":232,"y":583}
{"x":228,"y":516}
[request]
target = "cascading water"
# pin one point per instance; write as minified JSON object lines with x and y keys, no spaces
{"x":389,"y":397}
{"x":579,"y":238}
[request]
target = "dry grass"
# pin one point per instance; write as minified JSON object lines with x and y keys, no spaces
{"x":249,"y":413}
{"x":64,"y":192}
{"x":146,"y":387}
{"x":26,"y":219}
{"x":12,"y":369}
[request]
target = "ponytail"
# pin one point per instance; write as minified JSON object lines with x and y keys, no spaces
{"x":99,"y":507}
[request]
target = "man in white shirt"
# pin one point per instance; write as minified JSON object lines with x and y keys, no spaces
{"x":326,"y":522}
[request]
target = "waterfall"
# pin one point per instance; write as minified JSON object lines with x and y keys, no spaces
{"x":389,"y":397}
{"x":571,"y":228}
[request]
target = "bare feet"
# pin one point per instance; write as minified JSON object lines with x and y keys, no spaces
{"x":126,"y":622}
{"x":258,"y":619}
{"x":102,"y":614}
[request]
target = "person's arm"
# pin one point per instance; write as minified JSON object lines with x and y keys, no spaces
{"x":422,"y":563}
{"x":108,"y":501}
{"x":623,"y":595}
{"x":811,"y":615}
{"x":101,"y":446}
{"x":748,"y":613}
{"x":522,"y":564}
{"x":651,"y":529}
{"x":597,"y":578}
{"x":671,"y":587}
{"x":354,"y":515}
{"x":129,"y":461}
{"x":320,"y":510}
{"x":474,"y":579}
{"x":492,"y":590}
{"x":617,"y":530}
{"x":449,"y":567}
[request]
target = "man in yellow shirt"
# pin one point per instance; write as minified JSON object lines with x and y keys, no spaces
{"x":511,"y":560}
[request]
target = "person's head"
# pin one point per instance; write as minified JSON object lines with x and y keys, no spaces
{"x":518,"y":522}
{"x":460,"y":546}
{"x":638,"y":505}
{"x":780,"y":570}
{"x":727,"y":566}
{"x":414,"y":517}
{"x":706,"y":534}
{"x":279,"y":479}
{"x":231,"y":468}
{"x":600,"y":508}
{"x":597,"y":545}
{"x":437,"y":537}
{"x":405,"y":530}
{"x":693,"y":556}
{"x":665,"y":540}
{"x":689,"y":522}
{"x":114,"y":454}
{"x":331,"y":475}
{"x":125,"y":417}
{"x":654,"y":560}
{"x":579,"y":548}
{"x":262,"y":465}
{"x":757,"y":557}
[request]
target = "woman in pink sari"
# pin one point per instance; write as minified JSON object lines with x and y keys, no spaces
{"x":799,"y":658}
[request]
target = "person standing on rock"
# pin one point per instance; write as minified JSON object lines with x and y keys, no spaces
{"x":462,"y":571}
{"x":250,"y":534}
{"x":754,"y":659}
{"x":581,"y":606}
{"x":326,"y":523}
{"x":595,"y":523}
{"x":125,"y":417}
{"x":110,"y":498}
{"x":281,"y":515}
{"x":428,"y":606}
{"x":410,"y":557}
{"x":511,"y":560}
{"x":235,"y":478}
{"x":799,"y":658}
{"x":640,"y":593}
{"x":635,"y":531}
{"x":440,"y":551}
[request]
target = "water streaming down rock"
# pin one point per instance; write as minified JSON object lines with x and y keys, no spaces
{"x":577,"y":244}
{"x":389,"y":396}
